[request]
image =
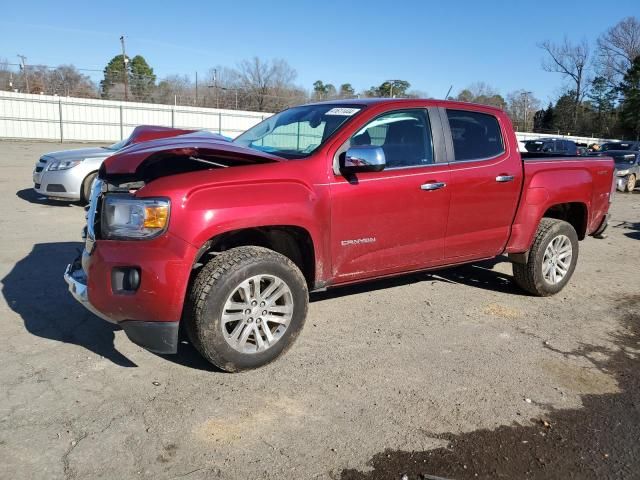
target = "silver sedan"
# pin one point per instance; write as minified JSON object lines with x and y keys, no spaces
{"x":68,"y":174}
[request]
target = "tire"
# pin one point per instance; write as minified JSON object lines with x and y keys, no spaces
{"x":533,"y":276}
{"x":218,"y":285}
{"x":631,"y":183}
{"x":85,"y":192}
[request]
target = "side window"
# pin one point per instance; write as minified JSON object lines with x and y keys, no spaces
{"x":405,"y":138}
{"x":475,"y":135}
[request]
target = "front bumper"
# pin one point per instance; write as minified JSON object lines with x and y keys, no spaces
{"x":158,"y":337}
{"x":60,"y":184}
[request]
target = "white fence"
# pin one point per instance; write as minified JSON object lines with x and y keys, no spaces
{"x":523,"y":136}
{"x":46,"y":117}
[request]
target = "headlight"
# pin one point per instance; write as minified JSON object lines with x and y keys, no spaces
{"x":63,"y":165}
{"x":622,"y":173}
{"x":124,"y":217}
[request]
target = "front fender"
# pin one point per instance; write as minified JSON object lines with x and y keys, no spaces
{"x":209,"y":211}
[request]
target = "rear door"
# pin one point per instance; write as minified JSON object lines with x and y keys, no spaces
{"x":486,"y":178}
{"x":393,"y":220}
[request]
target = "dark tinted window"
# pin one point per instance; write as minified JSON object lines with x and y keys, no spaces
{"x":475,"y":135}
{"x":405,"y":138}
{"x":619,"y":146}
{"x":570,"y":147}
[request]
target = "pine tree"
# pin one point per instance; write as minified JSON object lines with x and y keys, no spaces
{"x":630,"y":90}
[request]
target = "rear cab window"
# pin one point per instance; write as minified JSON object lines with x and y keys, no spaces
{"x":475,"y":135}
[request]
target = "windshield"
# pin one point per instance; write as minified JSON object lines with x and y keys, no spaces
{"x":617,"y":146}
{"x":298,"y":131}
{"x":118,"y":145}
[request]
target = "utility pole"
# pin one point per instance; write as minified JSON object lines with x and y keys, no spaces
{"x":215,"y":87}
{"x":24,"y":71}
{"x":391,"y":85}
{"x":526,"y":107}
{"x":125,"y":72}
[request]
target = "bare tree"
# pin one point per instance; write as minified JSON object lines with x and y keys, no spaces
{"x":572,"y":62}
{"x":221,"y":88}
{"x":481,"y":92}
{"x":617,"y":48}
{"x":174,"y":89}
{"x":521,"y":107}
{"x":269,"y":83}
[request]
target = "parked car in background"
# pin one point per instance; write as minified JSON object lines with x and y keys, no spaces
{"x":582,"y":150}
{"x":620,"y":146}
{"x":68,"y":174}
{"x":553,"y":146}
{"x":626,"y":156}
{"x":229,"y":237}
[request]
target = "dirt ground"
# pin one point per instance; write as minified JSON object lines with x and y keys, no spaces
{"x":451,"y":374}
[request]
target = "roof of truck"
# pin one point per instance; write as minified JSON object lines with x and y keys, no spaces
{"x":399,"y":101}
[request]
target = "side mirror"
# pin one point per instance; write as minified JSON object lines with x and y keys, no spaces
{"x":363,"y":158}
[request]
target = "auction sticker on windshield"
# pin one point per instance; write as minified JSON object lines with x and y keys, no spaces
{"x":343,"y":111}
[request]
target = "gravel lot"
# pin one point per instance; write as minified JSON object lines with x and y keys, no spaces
{"x":442,"y":374}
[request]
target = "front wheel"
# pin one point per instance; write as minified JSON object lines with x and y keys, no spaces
{"x":85,"y":192}
{"x":631,"y":183}
{"x":246,"y":307}
{"x":552,"y":259}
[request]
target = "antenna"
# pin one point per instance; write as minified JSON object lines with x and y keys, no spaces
{"x":448,"y":92}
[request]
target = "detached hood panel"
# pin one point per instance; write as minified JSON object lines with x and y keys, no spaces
{"x":129,"y":160}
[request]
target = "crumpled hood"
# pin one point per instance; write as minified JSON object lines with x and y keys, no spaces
{"x":79,"y":154}
{"x":127,"y":161}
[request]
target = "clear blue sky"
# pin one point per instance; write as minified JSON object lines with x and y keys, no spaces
{"x":430,"y":44}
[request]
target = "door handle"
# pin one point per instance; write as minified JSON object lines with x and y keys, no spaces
{"x":504,"y":178}
{"x":432,"y":186}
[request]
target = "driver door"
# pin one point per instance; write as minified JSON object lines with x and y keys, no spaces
{"x":393,"y":220}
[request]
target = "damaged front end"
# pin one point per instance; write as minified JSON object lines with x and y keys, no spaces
{"x":129,"y":269}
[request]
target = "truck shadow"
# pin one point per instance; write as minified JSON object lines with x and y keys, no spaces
{"x":31,"y":196}
{"x":35,"y":290}
{"x":478,"y":275}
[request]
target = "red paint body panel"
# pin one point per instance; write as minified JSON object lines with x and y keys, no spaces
{"x":551,"y":182}
{"x":128,"y":160}
{"x":165,"y":263}
{"x":473,"y":218}
{"x":145,"y":133}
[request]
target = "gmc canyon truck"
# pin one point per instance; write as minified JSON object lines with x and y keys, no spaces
{"x":229,"y":238}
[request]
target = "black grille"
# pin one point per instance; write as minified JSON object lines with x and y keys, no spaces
{"x":56,"y":188}
{"x":36,"y":186}
{"x":39,"y":169}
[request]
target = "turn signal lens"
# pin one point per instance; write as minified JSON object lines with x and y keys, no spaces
{"x":155,"y":216}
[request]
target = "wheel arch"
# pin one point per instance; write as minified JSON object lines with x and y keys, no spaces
{"x":292,"y":241}
{"x":574,"y":213}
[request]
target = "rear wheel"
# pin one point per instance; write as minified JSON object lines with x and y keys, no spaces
{"x":85,"y":192}
{"x":246,"y":307}
{"x":552,"y":259}
{"x":631,"y":183}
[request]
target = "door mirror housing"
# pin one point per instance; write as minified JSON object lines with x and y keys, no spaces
{"x":363,"y":158}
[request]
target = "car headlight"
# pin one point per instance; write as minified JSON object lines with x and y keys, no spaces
{"x":125,"y":217}
{"x":62,"y":165}
{"x":622,"y":173}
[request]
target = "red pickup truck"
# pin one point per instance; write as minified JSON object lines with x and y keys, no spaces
{"x":229,"y":237}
